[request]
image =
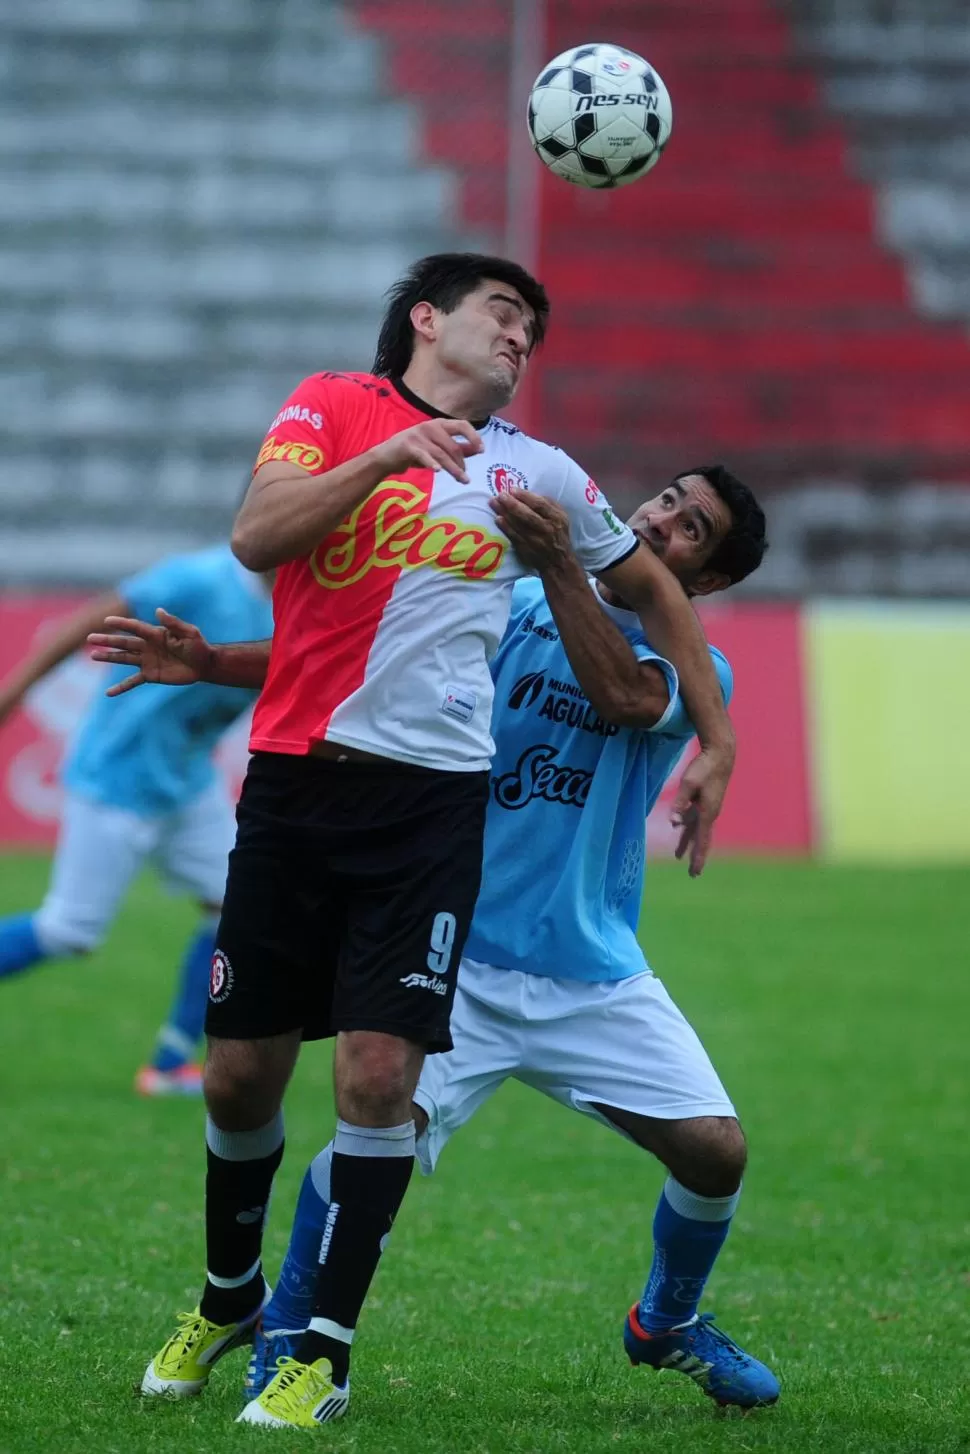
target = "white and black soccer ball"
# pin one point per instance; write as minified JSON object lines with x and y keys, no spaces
{"x":599,"y":116}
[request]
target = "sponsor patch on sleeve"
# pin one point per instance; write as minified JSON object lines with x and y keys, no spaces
{"x":307,"y":456}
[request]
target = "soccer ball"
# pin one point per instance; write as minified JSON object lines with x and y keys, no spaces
{"x":599,"y":116}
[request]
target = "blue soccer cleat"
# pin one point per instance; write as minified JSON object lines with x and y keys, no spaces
{"x":723,"y":1370}
{"x":268,"y":1346}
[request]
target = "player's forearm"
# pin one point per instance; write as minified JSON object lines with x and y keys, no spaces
{"x":238,"y":664}
{"x":602,"y":659}
{"x":68,"y":637}
{"x":286,"y":515}
{"x":673,"y":630}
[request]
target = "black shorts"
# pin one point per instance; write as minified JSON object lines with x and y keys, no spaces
{"x":350,"y":895}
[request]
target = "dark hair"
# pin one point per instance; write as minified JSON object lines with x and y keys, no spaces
{"x":742,"y":549}
{"x":444,"y":280}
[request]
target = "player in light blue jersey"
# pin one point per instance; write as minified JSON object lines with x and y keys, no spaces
{"x":139,"y":785}
{"x":554,"y":990}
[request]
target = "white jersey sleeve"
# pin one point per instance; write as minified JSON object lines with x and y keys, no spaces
{"x":599,"y":539}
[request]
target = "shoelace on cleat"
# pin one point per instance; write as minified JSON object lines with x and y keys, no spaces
{"x":261,"y":1359}
{"x":707,"y":1326}
{"x":191,"y":1328}
{"x":285,"y":1395}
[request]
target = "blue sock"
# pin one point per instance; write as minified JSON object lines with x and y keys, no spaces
{"x":19,"y":946}
{"x":182,"y":1030}
{"x":688,"y":1233}
{"x":291,"y":1305}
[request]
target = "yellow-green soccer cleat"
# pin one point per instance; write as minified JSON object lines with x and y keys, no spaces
{"x":301,"y":1396}
{"x":183,"y":1366}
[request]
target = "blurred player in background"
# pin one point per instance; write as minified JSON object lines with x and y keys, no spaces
{"x":554,"y":990}
{"x":140,"y":786}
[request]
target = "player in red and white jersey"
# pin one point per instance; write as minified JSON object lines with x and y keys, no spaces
{"x":385,"y":629}
{"x":377,"y":497}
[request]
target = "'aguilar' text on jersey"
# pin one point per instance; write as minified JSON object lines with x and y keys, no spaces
{"x":565,"y":830}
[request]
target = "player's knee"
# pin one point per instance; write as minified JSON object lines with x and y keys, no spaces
{"x":715,"y":1160}
{"x":376,"y":1095}
{"x":375,"y":1079}
{"x":241,"y":1090}
{"x":730,"y":1157}
{"x":240,"y":1104}
{"x":706,"y":1154}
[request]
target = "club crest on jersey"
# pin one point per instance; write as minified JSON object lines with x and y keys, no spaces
{"x":220,"y":978}
{"x":392,"y":528}
{"x":502,"y":478}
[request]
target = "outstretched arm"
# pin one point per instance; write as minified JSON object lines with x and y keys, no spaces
{"x":68,"y":637}
{"x":620,"y":688}
{"x":672,"y":628}
{"x":539,"y":531}
{"x":676,"y":633}
{"x":175,"y":653}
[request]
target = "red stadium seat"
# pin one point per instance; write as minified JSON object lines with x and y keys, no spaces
{"x":739,"y":297}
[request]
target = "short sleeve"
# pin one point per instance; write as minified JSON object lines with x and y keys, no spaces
{"x":306,"y":431}
{"x":599,"y":539}
{"x":675,"y":721}
{"x":172,"y":583}
{"x":646,"y":654}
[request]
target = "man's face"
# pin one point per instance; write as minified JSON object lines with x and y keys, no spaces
{"x":684,"y":525}
{"x":486,"y":339}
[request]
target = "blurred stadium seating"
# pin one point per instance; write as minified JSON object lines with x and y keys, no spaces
{"x":205,"y":198}
{"x":741,"y":303}
{"x":898,"y":74}
{"x":203,"y":202}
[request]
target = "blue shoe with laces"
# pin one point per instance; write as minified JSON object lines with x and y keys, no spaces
{"x":716,"y":1364}
{"x":268,"y":1345}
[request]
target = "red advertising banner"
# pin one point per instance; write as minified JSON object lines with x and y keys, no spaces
{"x":768,"y":806}
{"x":767,"y":809}
{"x":34,"y":739}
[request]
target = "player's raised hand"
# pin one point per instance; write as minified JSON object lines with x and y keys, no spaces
{"x":699,"y":799}
{"x":174,"y":652}
{"x":435,"y":444}
{"x":537,"y":528}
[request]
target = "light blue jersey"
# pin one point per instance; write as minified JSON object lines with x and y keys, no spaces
{"x":150,"y":751}
{"x":566,"y":827}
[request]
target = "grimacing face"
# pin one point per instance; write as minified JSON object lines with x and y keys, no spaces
{"x":487,"y":339}
{"x":684,"y":525}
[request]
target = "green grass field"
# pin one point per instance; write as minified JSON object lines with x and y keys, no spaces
{"x":835,"y":1004}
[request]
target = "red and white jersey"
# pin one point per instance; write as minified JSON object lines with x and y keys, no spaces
{"x":384,"y":633}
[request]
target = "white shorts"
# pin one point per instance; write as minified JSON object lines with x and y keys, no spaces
{"x":100,"y":849}
{"x":623,"y":1044}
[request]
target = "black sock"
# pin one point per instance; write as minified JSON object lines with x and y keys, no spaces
{"x":369,"y":1175}
{"x":240,"y":1170}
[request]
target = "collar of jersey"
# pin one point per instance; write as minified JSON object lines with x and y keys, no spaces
{"x":410,"y":397}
